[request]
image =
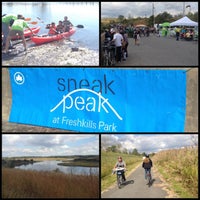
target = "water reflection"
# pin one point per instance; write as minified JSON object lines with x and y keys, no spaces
{"x":52,"y":165}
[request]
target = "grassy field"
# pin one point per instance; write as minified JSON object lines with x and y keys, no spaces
{"x":108,"y":160}
{"x":179,"y":167}
{"x":33,"y":184}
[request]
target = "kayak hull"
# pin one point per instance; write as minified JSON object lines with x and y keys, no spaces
{"x":27,"y":33}
{"x":47,"y":39}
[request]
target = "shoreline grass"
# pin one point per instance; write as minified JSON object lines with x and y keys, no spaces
{"x":17,"y":183}
{"x":80,"y":164}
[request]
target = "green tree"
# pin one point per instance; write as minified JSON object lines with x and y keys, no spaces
{"x":120,"y":18}
{"x":163,"y":17}
{"x":150,"y":21}
{"x":135,"y":152}
{"x":125,"y":151}
{"x":114,"y":148}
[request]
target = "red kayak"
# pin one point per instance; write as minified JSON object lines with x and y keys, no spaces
{"x":45,"y":39}
{"x":27,"y":33}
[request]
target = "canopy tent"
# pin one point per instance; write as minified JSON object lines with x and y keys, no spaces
{"x":165,"y":24}
{"x":184,"y":21}
{"x":140,"y":25}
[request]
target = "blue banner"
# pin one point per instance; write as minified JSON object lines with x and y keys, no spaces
{"x":99,"y":100}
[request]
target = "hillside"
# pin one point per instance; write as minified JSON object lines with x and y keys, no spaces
{"x":179,"y":168}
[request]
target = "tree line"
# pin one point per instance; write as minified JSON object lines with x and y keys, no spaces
{"x":148,"y":21}
{"x":118,"y":149}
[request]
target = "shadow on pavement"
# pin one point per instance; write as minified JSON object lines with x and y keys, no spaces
{"x":151,"y":183}
{"x":128,"y":182}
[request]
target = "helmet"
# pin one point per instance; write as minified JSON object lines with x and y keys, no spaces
{"x":147,"y":155}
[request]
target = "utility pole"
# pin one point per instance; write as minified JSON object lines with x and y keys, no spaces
{"x":153,"y":13}
{"x":183,"y":9}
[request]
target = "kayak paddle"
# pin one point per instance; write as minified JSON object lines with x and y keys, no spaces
{"x":79,"y":26}
{"x":34,"y":23}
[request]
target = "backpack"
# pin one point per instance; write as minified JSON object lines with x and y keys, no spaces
{"x":146,"y":160}
{"x":147,"y":163}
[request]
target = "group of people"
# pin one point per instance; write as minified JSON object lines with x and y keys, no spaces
{"x":119,"y":36}
{"x":184,"y":33}
{"x":120,"y":39}
{"x":63,"y":26}
{"x":147,"y":165}
{"x":13,"y":25}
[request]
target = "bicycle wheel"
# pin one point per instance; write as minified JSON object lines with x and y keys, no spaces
{"x":109,"y":59}
{"x":148,"y":178}
{"x":112,"y":58}
{"x":105,"y":60}
{"x":119,"y":181}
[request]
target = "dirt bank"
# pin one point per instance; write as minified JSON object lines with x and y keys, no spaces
{"x":60,"y":53}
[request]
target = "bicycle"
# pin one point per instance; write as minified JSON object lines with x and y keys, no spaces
{"x":149,"y":178}
{"x":119,"y":171}
{"x":108,"y":54}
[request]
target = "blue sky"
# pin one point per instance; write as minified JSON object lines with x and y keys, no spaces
{"x":142,"y":9}
{"x":148,"y":143}
{"x":49,"y":144}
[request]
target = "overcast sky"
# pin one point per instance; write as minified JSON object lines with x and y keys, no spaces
{"x":49,"y":144}
{"x":147,"y":143}
{"x":142,"y":9}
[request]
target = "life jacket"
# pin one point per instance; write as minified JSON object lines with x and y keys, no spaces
{"x":52,"y":30}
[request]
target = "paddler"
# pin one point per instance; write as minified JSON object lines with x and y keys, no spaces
{"x":52,"y":29}
{"x":67,"y":24}
{"x":18,"y":28}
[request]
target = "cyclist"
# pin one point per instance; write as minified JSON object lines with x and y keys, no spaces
{"x":121,"y":163}
{"x":147,"y":164}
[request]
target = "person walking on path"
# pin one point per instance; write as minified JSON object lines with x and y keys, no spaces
{"x":136,"y":37}
{"x":118,"y":39}
{"x":177,"y":30}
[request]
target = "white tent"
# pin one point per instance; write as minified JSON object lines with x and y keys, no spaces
{"x":184,"y":21}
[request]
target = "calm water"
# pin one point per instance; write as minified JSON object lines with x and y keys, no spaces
{"x":86,"y":14}
{"x":52,"y":165}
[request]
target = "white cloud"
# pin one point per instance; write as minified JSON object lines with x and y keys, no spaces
{"x":142,"y":9}
{"x":49,"y":144}
{"x":148,"y":143}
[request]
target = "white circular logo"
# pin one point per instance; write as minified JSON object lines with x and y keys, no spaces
{"x":19,"y":78}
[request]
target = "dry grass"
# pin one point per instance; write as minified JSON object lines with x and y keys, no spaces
{"x":180,"y":169}
{"x":18,"y":183}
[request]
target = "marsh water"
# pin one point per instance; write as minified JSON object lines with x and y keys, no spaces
{"x":53,"y":165}
{"x":83,"y":13}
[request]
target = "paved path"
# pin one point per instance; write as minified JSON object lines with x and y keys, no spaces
{"x":161,"y":51}
{"x":135,"y":187}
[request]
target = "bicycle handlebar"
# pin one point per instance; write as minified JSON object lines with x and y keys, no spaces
{"x":119,"y":168}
